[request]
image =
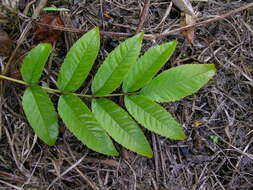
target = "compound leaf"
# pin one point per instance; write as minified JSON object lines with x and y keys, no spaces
{"x":78,"y":61}
{"x":81,"y":122}
{"x":41,"y":114}
{"x":116,"y":66}
{"x":153,"y":117}
{"x":148,"y":65}
{"x":120,"y":126}
{"x":34,"y":62}
{"x":178,"y":82}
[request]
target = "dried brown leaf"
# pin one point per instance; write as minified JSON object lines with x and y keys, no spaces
{"x":6,"y":48}
{"x":6,"y":44}
{"x":46,"y":34}
{"x":188,"y":34}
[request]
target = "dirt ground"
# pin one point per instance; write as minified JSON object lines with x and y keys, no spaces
{"x":218,"y":154}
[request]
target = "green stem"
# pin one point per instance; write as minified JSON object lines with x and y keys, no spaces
{"x":51,"y":90}
{"x":14,"y":80}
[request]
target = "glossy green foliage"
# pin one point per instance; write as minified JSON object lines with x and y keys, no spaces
{"x":41,"y":114}
{"x":116,"y":66}
{"x":120,"y":126}
{"x":34,"y":62}
{"x":107,"y":119}
{"x":81,"y":122}
{"x":153,"y":117}
{"x":78,"y":62}
{"x":176,"y":83}
{"x":148,"y":65}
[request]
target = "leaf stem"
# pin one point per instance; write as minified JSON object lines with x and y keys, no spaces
{"x":52,"y":90}
{"x":110,"y":95}
{"x":14,"y":80}
{"x":56,"y":91}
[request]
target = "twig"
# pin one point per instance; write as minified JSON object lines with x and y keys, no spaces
{"x":65,"y":172}
{"x":250,"y":156}
{"x":22,"y":37}
{"x":144,"y":14}
{"x":134,"y":175}
{"x":86,"y":178}
{"x":168,"y":10}
{"x":157,"y":35}
{"x":190,"y":26}
{"x":156,"y":157}
{"x":27,"y":7}
{"x":11,"y":186}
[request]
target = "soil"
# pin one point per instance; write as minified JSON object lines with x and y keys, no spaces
{"x":218,"y":120}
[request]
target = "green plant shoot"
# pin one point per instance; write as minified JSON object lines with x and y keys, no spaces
{"x":142,"y":91}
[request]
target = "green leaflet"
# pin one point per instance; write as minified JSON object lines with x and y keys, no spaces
{"x":78,"y":61}
{"x":148,"y":65}
{"x":41,"y":114}
{"x":116,"y":66}
{"x":54,"y":9}
{"x":153,"y":117}
{"x":178,"y":82}
{"x":81,"y":122}
{"x":34,"y":62}
{"x":120,"y":126}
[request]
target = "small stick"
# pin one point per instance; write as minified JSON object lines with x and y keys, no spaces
{"x":168,"y":10}
{"x":86,"y":178}
{"x":66,"y":171}
{"x":10,"y":185}
{"x":144,"y":14}
{"x":190,"y":26}
{"x":157,"y":35}
{"x":22,"y":37}
{"x":156,"y":157}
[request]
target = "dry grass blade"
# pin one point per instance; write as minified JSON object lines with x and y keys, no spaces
{"x":158,"y":35}
{"x":66,"y":171}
